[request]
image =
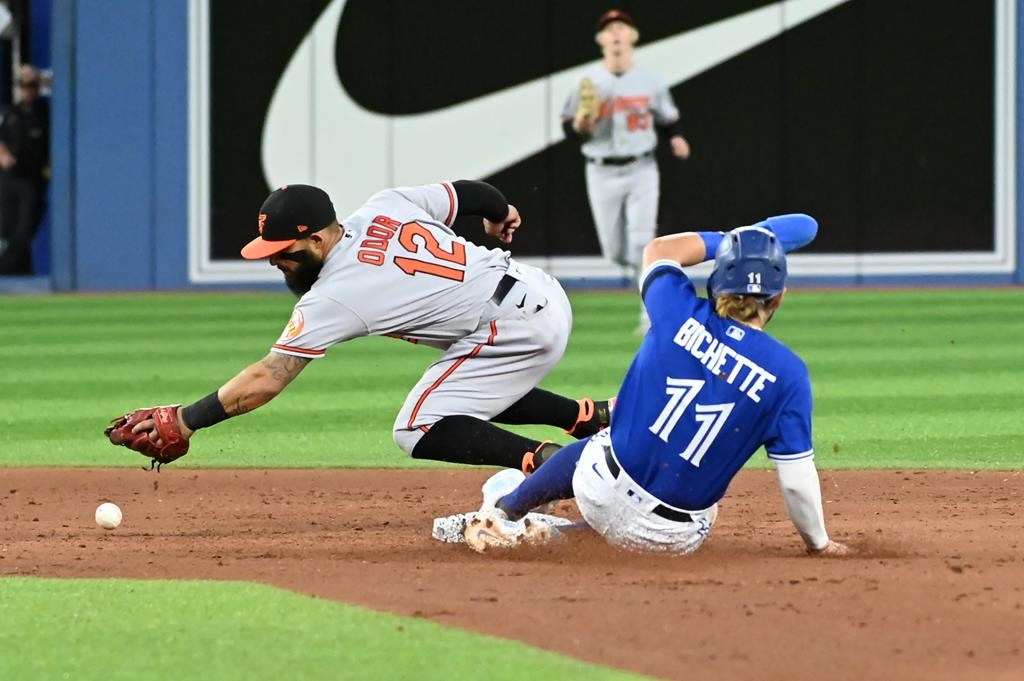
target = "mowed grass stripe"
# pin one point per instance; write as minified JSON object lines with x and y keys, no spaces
{"x":99,"y":629}
{"x":934,"y":370}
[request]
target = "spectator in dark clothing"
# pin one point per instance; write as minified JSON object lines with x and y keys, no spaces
{"x":24,"y":172}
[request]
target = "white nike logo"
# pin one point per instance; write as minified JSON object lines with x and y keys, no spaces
{"x":346,"y":148}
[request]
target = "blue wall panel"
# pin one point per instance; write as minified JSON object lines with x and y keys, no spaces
{"x":170,"y":147}
{"x":62,"y":187}
{"x":114,"y":206}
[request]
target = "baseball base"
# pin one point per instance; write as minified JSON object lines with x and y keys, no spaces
{"x":449,"y":528}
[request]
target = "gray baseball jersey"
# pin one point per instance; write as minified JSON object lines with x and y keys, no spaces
{"x":630,"y":106}
{"x":624,"y":196}
{"x":399,"y":270}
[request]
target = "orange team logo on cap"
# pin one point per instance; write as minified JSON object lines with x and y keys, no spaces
{"x":263,"y":220}
{"x":302,"y":228}
{"x":295,"y":325}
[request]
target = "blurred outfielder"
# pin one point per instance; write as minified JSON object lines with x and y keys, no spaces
{"x":616,"y":110}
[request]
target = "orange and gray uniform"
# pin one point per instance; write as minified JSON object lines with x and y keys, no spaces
{"x":400,"y":270}
{"x":622,"y":175}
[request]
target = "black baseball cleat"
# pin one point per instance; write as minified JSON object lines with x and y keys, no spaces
{"x":594,"y":417}
{"x":532,"y":460}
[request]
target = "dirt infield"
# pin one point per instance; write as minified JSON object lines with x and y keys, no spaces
{"x":936,"y":593}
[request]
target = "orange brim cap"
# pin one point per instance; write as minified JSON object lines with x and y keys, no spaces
{"x":260,"y":248}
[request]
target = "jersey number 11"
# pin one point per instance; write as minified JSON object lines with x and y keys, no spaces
{"x":710,"y":417}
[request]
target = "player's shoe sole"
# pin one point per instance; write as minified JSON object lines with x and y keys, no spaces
{"x":489,"y":531}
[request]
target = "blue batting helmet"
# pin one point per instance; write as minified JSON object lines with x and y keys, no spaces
{"x":749,"y":261}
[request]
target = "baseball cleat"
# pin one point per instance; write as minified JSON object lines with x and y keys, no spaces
{"x":532,"y":460}
{"x":492,"y":530}
{"x":593,"y":417}
{"x":536,"y":533}
{"x":498,"y":485}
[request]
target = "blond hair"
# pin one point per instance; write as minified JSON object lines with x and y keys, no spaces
{"x":743,"y":308}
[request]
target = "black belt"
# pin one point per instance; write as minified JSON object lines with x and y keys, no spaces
{"x":660,"y":510}
{"x":617,"y":160}
{"x":502,"y":289}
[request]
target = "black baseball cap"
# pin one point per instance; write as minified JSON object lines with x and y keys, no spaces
{"x":290,"y":213}
{"x":614,"y":15}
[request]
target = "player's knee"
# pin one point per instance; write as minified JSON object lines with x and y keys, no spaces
{"x":407,"y":439}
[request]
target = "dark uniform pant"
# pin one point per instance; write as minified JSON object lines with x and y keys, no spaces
{"x":21,"y":208}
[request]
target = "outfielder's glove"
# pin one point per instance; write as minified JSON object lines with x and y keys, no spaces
{"x":590,"y":101}
{"x":171,"y":444}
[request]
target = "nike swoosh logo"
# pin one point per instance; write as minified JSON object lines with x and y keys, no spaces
{"x":354,"y":152}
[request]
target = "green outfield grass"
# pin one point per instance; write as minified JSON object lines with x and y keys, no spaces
{"x":164,"y":631}
{"x":901,"y":378}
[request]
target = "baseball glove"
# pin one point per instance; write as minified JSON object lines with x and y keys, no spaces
{"x":170,"y":445}
{"x":590,"y":101}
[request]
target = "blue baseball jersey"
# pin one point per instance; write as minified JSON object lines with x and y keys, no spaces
{"x":703,"y":394}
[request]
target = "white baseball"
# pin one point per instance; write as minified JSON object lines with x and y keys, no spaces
{"x":108,"y":516}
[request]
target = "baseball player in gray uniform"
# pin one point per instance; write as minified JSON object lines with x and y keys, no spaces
{"x":616,"y":111}
{"x":395,"y":268}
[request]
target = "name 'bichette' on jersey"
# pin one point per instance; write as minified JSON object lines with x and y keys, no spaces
{"x":398,"y":270}
{"x":631,"y":104}
{"x":726,"y":388}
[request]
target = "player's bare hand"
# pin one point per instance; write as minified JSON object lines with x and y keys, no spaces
{"x":832,"y":549}
{"x":680,"y":147}
{"x":504,"y":231}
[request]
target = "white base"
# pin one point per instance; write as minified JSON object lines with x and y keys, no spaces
{"x":449,"y":529}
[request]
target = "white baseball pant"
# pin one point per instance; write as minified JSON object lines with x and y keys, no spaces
{"x":624,"y":203}
{"x":623,"y":512}
{"x":517,"y":343}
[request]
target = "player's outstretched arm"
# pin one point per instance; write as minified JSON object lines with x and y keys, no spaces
{"x":801,"y":490}
{"x":253,"y":387}
{"x":258,"y":383}
{"x":686,"y":249}
{"x":794,"y":231}
{"x":163,"y":433}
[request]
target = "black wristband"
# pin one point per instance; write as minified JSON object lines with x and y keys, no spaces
{"x":672,"y":129}
{"x":204,"y":413}
{"x":571,"y":132}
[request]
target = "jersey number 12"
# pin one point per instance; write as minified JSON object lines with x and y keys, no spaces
{"x":711,"y":417}
{"x":414,"y":235}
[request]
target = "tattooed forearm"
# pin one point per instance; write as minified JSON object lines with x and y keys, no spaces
{"x":243,"y":404}
{"x":283,"y":368}
{"x":260,"y":382}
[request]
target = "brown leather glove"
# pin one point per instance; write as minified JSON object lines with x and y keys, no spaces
{"x":161,"y":439}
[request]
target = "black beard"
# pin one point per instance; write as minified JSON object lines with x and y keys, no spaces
{"x":305,"y":275}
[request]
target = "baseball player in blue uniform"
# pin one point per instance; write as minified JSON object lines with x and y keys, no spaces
{"x":706,"y":390}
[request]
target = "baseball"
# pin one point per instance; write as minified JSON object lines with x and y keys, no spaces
{"x":108,"y":516}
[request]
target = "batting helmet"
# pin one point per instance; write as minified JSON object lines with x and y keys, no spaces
{"x":749,"y":261}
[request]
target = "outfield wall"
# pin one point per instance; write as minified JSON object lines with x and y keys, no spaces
{"x":155,"y":160}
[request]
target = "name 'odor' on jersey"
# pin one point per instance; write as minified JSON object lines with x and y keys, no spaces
{"x":703,"y":395}
{"x":399,"y":270}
